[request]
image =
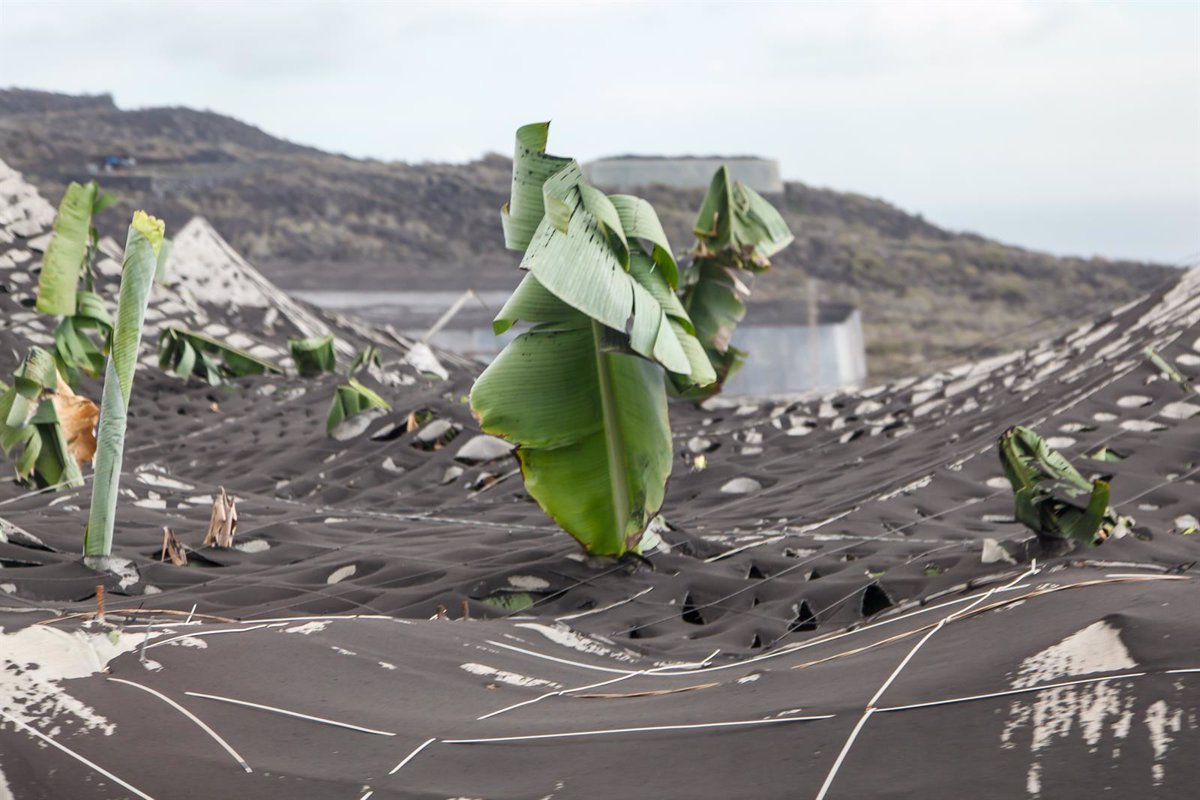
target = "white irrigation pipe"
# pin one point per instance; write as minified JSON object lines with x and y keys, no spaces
{"x":608,"y":607}
{"x":74,"y":755}
{"x":870,"y":709}
{"x":1009,"y":692}
{"x":288,"y":713}
{"x":216,"y":737}
{"x":608,"y":682}
{"x":649,"y":728}
{"x":411,"y":755}
{"x":198,"y":634}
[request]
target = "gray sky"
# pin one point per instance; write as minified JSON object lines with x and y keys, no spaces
{"x":1067,"y":126}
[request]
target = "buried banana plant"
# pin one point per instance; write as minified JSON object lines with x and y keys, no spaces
{"x":582,"y":393}
{"x":68,"y":263}
{"x":352,"y":397}
{"x":190,"y":354}
{"x":1052,"y":498}
{"x":313,"y":356}
{"x":737,"y":232}
{"x":30,"y":422}
{"x":137,"y":274}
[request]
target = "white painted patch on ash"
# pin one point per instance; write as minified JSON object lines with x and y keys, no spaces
{"x":1161,"y":723}
{"x":188,"y":641}
{"x":307,"y":627}
{"x":253,"y":546}
{"x":511,"y":678}
{"x":1096,"y":710}
{"x":568,"y":638}
{"x":32,"y":662}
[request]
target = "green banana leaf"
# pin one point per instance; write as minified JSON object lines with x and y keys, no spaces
{"x":1051,"y":497}
{"x":192,"y":354}
{"x":582,"y":393}
{"x":351,"y":398}
{"x":66,"y":256}
{"x":32,"y":426}
{"x":313,"y":356}
{"x":592,"y":428}
{"x":137,"y":274}
{"x":74,"y":348}
{"x":736,"y":231}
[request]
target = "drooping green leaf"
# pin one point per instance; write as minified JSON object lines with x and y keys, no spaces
{"x":66,"y":255}
{"x":193,"y":354}
{"x":137,"y":275}
{"x":1051,"y":497}
{"x":313,"y":356}
{"x":74,"y":346}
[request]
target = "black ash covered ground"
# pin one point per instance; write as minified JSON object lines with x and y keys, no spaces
{"x":842,"y":607}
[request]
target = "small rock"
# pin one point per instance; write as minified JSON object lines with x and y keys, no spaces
{"x":356,"y":425}
{"x":432,"y":431}
{"x":483,"y":448}
{"x":993,"y":552}
{"x":742,"y":486}
{"x":698,"y":444}
{"x":452,"y":474}
{"x":391,"y":466}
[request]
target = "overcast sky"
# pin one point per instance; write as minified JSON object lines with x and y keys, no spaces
{"x":1067,"y":126}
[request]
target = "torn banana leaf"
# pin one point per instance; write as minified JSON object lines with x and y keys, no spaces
{"x":66,"y":255}
{"x":30,"y":427}
{"x":736,"y":231}
{"x":313,"y":356}
{"x":191,"y":354}
{"x":351,"y":398}
{"x":582,"y":393}
{"x":1051,"y":497}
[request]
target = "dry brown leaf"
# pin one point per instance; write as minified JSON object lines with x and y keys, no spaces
{"x":172,"y":549}
{"x":222,"y":525}
{"x":78,"y":416}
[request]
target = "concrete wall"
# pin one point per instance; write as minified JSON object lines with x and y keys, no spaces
{"x":788,"y":359}
{"x":622,"y":174}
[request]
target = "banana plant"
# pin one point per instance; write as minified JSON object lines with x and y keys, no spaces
{"x":142,"y":247}
{"x":29,"y":422}
{"x":1052,"y":498}
{"x":582,"y":392}
{"x":66,"y":265}
{"x":737,"y":232}
{"x":313,"y":356}
{"x":190,"y":354}
{"x":353,"y":397}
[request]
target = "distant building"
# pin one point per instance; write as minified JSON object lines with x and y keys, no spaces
{"x":787,"y":356}
{"x":622,"y":173}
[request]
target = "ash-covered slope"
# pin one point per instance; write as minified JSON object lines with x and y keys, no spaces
{"x":317,"y":220}
{"x":843,"y":606}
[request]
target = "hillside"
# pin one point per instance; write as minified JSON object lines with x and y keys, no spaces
{"x":315,"y":220}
